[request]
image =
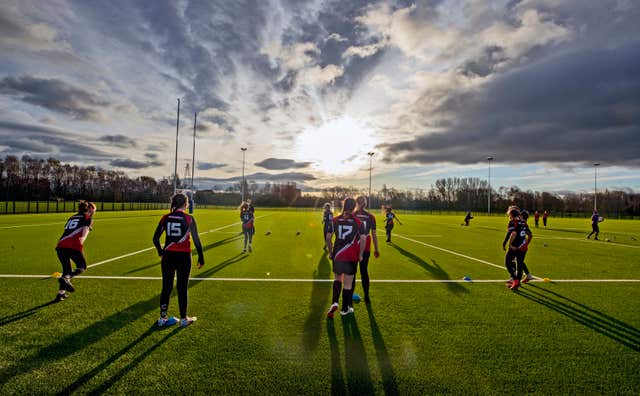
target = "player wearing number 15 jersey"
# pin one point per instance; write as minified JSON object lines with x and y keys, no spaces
{"x":350,"y":240}
{"x":71,"y":244}
{"x":179,"y":228}
{"x":369,"y":226}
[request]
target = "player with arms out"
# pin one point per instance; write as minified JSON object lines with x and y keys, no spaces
{"x":389,"y":216}
{"x":71,"y":245}
{"x":518,"y":242}
{"x":179,"y":228}
{"x":327,"y":222}
{"x":350,"y":240}
{"x":246,"y":217}
{"x":369,"y":225}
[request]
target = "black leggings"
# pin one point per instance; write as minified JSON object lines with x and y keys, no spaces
{"x":364,"y":273}
{"x":514,"y":261}
{"x":66,"y":255}
{"x":388,"y":228}
{"x":172,"y":263}
{"x":248,"y":236}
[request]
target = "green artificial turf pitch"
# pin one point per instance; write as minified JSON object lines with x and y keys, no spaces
{"x":258,"y":333}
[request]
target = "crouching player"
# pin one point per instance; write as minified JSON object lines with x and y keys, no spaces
{"x":71,"y":244}
{"x":519,"y":239}
{"x":350,"y":240}
{"x":179,"y":228}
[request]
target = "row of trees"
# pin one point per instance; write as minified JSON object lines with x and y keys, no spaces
{"x":30,"y":179}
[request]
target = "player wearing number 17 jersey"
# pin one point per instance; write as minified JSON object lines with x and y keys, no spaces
{"x":71,"y":244}
{"x":369,"y":227}
{"x":347,"y":250}
{"x":179,"y":228}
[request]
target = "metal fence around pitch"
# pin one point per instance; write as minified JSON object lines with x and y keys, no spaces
{"x":63,"y":206}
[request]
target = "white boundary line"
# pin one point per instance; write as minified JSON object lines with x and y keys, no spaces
{"x":153,"y":247}
{"x":327,"y":280}
{"x":585,"y":240}
{"x":452,"y":252}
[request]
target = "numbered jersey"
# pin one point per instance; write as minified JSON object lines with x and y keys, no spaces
{"x":347,"y":230}
{"x":389,"y":218}
{"x":74,"y":232}
{"x":177,"y":228}
{"x":521,"y":229}
{"x":368,"y":223}
{"x":247,"y":219}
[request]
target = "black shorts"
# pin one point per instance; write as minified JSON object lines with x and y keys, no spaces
{"x":66,"y":254}
{"x":344,"y":267}
{"x":595,"y":227}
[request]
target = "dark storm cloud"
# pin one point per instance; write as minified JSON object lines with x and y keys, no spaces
{"x":580,"y":107}
{"x":281,"y":164}
{"x":209,"y":165}
{"x":18,"y":137}
{"x":133,"y":164}
{"x":118,"y":140}
{"x":55,"y":95}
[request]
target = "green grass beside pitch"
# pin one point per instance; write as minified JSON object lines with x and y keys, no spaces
{"x":414,"y":338}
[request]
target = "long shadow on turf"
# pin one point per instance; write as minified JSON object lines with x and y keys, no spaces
{"x":435,"y":270}
{"x":384,"y":362}
{"x":337,"y":378}
{"x":608,"y":326}
{"x":93,"y":333}
{"x":104,"y":365}
{"x":355,"y":356}
{"x":24,"y":314}
{"x":319,"y":302}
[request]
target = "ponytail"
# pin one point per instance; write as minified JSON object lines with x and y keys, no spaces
{"x":178,"y":201}
{"x":83,"y":206}
{"x":348,"y":205}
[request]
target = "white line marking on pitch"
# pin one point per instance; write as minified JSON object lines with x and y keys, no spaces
{"x":153,"y":247}
{"x":451,"y":252}
{"x":585,"y":240}
{"x":328,"y":280}
{"x":425,"y":236}
{"x":64,"y":222}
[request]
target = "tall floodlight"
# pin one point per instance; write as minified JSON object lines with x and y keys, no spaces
{"x":193,"y":157}
{"x":489,"y":159}
{"x":595,"y":186}
{"x":175,"y":169}
{"x":370,"y":154}
{"x":244,"y":150}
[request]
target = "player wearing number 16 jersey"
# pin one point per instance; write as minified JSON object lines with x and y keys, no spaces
{"x":71,"y":244}
{"x":179,"y":228}
{"x":369,"y":226}
{"x":350,"y":240}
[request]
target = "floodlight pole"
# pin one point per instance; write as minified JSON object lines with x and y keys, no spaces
{"x":595,"y":186}
{"x":175,"y":169}
{"x":370,"y":154}
{"x":244,"y":150}
{"x":193,"y":157}
{"x":489,"y":195}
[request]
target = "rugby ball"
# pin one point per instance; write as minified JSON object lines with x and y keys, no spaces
{"x":600,"y":219}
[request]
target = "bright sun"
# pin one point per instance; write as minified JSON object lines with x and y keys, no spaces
{"x":337,"y":147}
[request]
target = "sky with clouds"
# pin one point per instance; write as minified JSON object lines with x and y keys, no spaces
{"x":432,"y":88}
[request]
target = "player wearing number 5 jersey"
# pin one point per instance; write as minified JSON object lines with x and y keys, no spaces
{"x":347,"y":250}
{"x":369,"y":226}
{"x":179,"y":228}
{"x":70,"y":247}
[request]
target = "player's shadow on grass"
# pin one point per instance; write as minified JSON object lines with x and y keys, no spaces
{"x":384,"y":362}
{"x":24,"y":314}
{"x":435,"y":270}
{"x":599,"y":322}
{"x":210,"y":271}
{"x":355,"y":356}
{"x":104,"y":365}
{"x":320,"y":292}
{"x":337,"y":377}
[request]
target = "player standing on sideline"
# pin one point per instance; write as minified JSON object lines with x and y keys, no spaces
{"x":347,"y":251}
{"x":389,"y":216}
{"x":246,"y":216}
{"x":536,"y":217}
{"x":179,"y":228}
{"x":595,"y":227}
{"x":369,"y":225}
{"x":519,"y":239}
{"x":545,"y":215}
{"x":70,"y":247}
{"x":327,"y":221}
{"x":467,"y":219}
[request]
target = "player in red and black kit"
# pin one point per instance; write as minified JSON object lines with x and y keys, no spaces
{"x":327,"y":222}
{"x":179,"y":228}
{"x":246,"y":217}
{"x":518,"y":241}
{"x":70,"y":247}
{"x":369,"y":224}
{"x":252,"y":210}
{"x":345,"y":253}
{"x":389,"y":216}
